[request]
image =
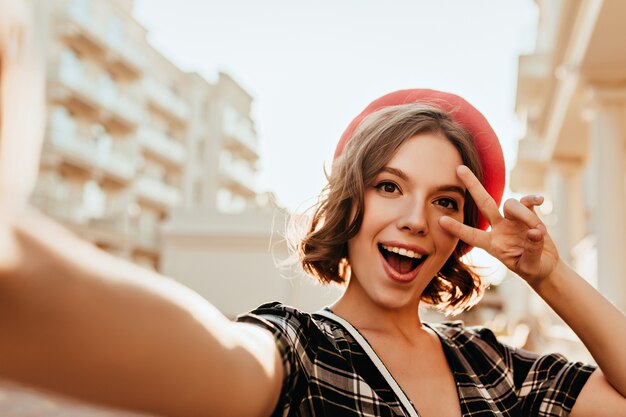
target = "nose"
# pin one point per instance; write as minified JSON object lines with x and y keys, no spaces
{"x":414,"y":218}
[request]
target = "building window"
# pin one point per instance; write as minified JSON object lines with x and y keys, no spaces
{"x":102,"y":140}
{"x":94,"y":199}
{"x":108,"y":88}
{"x":197,"y":192}
{"x":200,"y":150}
{"x":115,"y":31}
{"x":80,"y":9}
{"x":71,"y":66}
{"x":62,"y":122}
{"x":228,"y":202}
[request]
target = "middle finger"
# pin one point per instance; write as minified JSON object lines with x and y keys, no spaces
{"x":517,"y":210}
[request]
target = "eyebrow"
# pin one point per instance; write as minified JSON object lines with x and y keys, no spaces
{"x":400,"y":174}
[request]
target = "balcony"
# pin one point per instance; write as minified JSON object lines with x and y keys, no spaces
{"x":119,"y":230}
{"x":157,"y":192}
{"x":114,"y":226}
{"x":147,"y":238}
{"x":237,"y":175}
{"x":166,"y":149}
{"x":87,"y":155}
{"x":533,"y":82}
{"x":65,"y":211}
{"x":529,"y":172}
{"x":165,"y":101}
{"x":97,"y":29}
{"x":239,"y":137}
{"x":70,"y":73}
{"x":99,"y":96}
{"x":122,"y":108}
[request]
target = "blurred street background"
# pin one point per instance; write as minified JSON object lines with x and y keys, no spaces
{"x":182,"y":135}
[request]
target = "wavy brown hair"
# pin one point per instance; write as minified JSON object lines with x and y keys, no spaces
{"x":338,"y":214}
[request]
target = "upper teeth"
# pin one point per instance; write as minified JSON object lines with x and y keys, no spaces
{"x":403,"y":252}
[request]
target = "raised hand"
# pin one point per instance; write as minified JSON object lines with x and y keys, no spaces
{"x":517,"y":238}
{"x":21,"y":104}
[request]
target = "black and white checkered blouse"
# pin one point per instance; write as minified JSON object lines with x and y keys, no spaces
{"x":330,"y":370}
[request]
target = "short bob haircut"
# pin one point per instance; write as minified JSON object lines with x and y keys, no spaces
{"x":337,"y":216}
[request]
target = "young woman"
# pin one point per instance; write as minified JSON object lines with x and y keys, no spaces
{"x":411,"y":175}
{"x":400,"y":209}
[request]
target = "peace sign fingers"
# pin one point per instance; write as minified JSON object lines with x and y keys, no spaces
{"x":483,"y":200}
{"x":470,"y":235}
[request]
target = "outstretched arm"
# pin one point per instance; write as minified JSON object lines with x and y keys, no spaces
{"x":520,"y":240}
{"x":77,"y":321}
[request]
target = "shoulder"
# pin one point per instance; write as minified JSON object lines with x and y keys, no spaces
{"x":279,"y":314}
{"x":475,"y":343}
{"x":481,"y":348}
{"x":292,"y":324}
{"x":456,"y":333}
{"x":479,"y":341}
{"x":275,"y":311}
{"x":303,"y":339}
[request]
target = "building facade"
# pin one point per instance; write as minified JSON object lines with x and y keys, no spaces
{"x":133,"y":142}
{"x":155,"y":164}
{"x":572,"y":98}
{"x":130,"y":136}
{"x":228,"y":239}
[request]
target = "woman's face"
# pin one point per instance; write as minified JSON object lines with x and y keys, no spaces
{"x":400,"y":246}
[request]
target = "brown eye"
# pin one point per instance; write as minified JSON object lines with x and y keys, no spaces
{"x":387,"y":187}
{"x":448,"y":203}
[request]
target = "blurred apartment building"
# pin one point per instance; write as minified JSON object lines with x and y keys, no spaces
{"x":157,"y":165}
{"x":154,"y":165}
{"x":130,"y":136}
{"x":572,"y":97}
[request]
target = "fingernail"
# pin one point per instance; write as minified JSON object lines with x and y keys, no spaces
{"x":535,"y":239}
{"x":444,"y":219}
{"x":541,"y":227}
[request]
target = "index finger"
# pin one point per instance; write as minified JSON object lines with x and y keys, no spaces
{"x":468,"y":234}
{"x":485,"y":203}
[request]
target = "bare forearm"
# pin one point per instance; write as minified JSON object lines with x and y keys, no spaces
{"x":598,"y":323}
{"x":80,"y":322}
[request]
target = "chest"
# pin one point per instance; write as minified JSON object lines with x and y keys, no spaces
{"x":423,"y":374}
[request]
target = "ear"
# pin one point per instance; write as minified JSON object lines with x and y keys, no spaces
{"x":345,"y":272}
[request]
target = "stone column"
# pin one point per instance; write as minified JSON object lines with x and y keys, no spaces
{"x":608,"y":202}
{"x":563,"y":186}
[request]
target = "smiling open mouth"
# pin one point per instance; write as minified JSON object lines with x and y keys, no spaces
{"x":401,"y":260}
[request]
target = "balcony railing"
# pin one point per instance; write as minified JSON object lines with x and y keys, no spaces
{"x":238,"y":172}
{"x":156,"y":191}
{"x":119,"y":50}
{"x":72,"y":75}
{"x":241,"y":134}
{"x":122,"y":106}
{"x":147,"y":238}
{"x":166,"y":100}
{"x":112,"y":224}
{"x":163,"y":147}
{"x":86,"y":154}
{"x":65,"y":211}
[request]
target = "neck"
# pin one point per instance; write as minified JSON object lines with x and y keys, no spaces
{"x":367,"y":314}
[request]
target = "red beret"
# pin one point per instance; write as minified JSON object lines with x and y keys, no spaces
{"x":463,"y":113}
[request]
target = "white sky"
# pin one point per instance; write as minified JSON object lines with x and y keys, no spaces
{"x":312,"y":66}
